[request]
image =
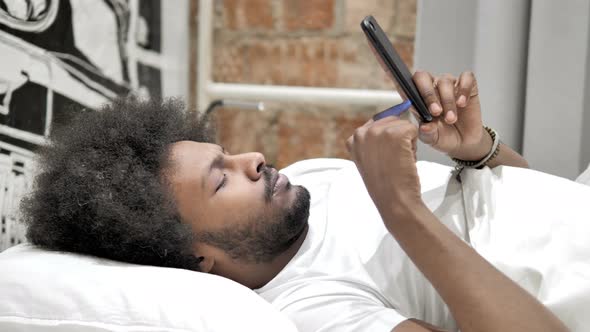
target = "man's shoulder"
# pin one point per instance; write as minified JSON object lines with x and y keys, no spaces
{"x":326,"y":164}
{"x":316,"y":165}
{"x":319,"y":169}
{"x":323,"y":170}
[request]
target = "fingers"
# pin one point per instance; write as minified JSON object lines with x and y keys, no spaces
{"x":429,"y":133}
{"x":465,"y":88}
{"x":350,"y":140}
{"x":446,"y":90}
{"x":392,"y":125}
{"x":396,"y":130}
{"x":445,"y":97}
{"x":349,"y":143}
{"x":425,"y":84}
{"x":459,"y":122}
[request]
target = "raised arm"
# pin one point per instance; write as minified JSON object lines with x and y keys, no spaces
{"x":457,"y":129}
{"x":479,"y":296}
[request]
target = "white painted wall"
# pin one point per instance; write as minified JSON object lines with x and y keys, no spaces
{"x":557,"y":129}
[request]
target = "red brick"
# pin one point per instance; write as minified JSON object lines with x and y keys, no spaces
{"x":248,"y":14}
{"x":346,"y":63}
{"x":228,"y":64}
{"x":356,"y":65}
{"x":301,"y":135}
{"x":264,"y":62}
{"x":406,"y":51}
{"x":301,"y":62}
{"x":317,"y":68}
{"x":405,"y":22}
{"x":308,"y":14}
{"x":356,"y":10}
{"x":241,"y":131}
{"x":344,"y":126}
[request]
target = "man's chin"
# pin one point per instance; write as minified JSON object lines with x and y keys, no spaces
{"x":303,"y":230}
{"x":299,"y":213}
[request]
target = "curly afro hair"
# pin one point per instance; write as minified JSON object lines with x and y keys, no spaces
{"x":100,"y":188}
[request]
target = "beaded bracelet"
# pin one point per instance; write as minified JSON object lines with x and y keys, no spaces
{"x":483,"y":162}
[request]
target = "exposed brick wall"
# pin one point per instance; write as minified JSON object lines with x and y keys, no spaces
{"x":303,"y":43}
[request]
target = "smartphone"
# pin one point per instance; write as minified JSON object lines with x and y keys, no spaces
{"x":392,"y":64}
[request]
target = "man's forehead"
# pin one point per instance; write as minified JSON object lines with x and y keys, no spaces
{"x":185,"y":149}
{"x":190,"y":155}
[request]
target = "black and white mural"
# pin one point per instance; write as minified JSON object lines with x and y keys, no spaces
{"x":58,"y":57}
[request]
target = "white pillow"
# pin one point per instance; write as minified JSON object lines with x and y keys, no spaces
{"x":51,"y":291}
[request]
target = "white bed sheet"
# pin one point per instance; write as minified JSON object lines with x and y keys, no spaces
{"x":535,"y":228}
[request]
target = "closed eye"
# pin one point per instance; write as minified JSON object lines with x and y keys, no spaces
{"x":222,"y":183}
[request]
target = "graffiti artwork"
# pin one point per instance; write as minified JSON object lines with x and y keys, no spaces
{"x":57,"y":58}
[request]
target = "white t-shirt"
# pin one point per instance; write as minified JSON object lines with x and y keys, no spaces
{"x":350,"y":274}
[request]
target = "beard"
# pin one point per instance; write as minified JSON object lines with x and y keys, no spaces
{"x":263,"y":238}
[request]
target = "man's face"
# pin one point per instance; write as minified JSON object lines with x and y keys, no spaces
{"x":235,"y":202}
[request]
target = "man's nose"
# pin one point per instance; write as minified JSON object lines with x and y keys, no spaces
{"x":253,"y":164}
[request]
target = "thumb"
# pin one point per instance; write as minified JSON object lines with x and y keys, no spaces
{"x":428,"y":133}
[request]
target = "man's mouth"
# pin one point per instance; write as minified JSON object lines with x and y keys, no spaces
{"x":278,"y":181}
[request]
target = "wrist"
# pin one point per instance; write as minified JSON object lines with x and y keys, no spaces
{"x":403,"y":216}
{"x":476,"y":151}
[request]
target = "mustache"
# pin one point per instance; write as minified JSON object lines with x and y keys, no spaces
{"x":267,"y":177}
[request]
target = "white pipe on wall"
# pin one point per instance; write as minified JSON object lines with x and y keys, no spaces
{"x":208,"y":90}
{"x":302,"y":94}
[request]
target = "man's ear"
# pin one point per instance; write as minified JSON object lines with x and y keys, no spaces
{"x":206,"y":263}
{"x":206,"y":255}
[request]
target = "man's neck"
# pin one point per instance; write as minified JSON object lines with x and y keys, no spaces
{"x":255,"y":276}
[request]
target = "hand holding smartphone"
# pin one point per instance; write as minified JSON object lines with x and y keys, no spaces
{"x":392,"y":63}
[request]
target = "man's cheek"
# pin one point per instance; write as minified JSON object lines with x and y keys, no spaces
{"x":244,"y":209}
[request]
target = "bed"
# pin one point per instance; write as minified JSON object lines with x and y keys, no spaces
{"x":54,"y":291}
